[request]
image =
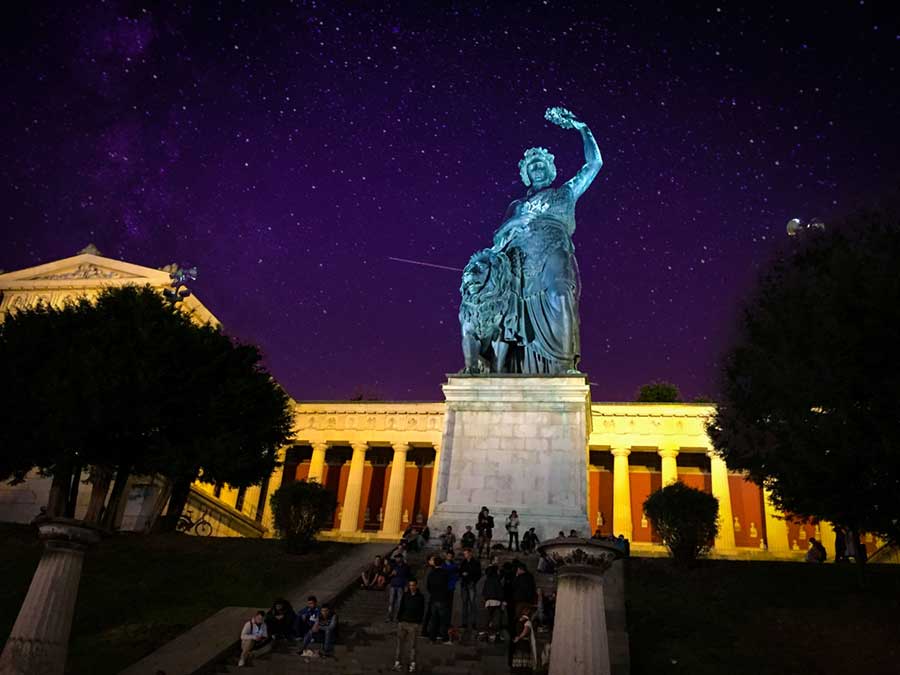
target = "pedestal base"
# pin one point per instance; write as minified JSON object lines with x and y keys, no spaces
{"x":514,"y":442}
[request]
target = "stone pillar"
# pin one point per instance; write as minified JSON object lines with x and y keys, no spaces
{"x":581,"y":641}
{"x":275,"y":480}
{"x":39,"y":639}
{"x":317,"y":462}
{"x":353,"y":494}
{"x":669,"y":465}
{"x":776,"y":528}
{"x":722,"y":492}
{"x":393,"y":509}
{"x":621,"y":493}
{"x":432,"y":501}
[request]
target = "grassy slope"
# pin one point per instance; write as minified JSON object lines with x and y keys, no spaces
{"x":763,"y":618}
{"x":138,"y":592}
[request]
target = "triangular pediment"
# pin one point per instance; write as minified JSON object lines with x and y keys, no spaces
{"x":85,"y":267}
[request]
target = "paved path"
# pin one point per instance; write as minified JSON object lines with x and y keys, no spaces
{"x":210,"y":639}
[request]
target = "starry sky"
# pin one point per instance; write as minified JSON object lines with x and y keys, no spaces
{"x":288,"y":150}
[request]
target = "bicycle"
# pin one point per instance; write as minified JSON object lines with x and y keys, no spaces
{"x":201,"y":527}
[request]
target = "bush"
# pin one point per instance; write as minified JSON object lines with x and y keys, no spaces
{"x":685,"y":518}
{"x":658,"y":392}
{"x":300,"y":509}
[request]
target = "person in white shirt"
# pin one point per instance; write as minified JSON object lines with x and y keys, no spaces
{"x":254,"y":636}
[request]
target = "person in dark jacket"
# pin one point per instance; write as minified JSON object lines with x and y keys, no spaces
{"x":280,"y":620}
{"x":468,"y":539}
{"x":492,"y":594}
{"x":438,"y":586}
{"x":524,"y":590}
{"x":469,"y":574}
{"x":400,"y":574}
{"x":453,"y":570}
{"x":409,"y":616}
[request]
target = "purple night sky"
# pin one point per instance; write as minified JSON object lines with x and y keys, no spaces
{"x":287,"y":149}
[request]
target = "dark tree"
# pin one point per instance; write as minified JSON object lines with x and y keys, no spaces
{"x":685,"y":518}
{"x":658,"y":392}
{"x":811,"y":388}
{"x":131,"y":385}
{"x":300,"y":509}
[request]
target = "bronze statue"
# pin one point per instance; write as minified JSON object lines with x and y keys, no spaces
{"x":535,"y":329}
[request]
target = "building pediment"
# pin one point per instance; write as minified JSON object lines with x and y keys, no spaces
{"x":82,"y":270}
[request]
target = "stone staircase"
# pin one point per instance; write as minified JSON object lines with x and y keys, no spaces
{"x":366,"y":644}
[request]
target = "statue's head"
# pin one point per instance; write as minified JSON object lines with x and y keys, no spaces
{"x":537,"y":168}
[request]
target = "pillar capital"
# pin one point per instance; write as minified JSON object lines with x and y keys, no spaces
{"x":401,"y":447}
{"x":359,"y":446}
{"x":667,"y":453}
{"x":620,"y":452}
{"x":319,"y":446}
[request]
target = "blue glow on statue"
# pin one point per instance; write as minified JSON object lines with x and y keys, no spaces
{"x":519,"y":311}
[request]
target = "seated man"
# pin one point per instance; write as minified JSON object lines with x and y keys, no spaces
{"x":254,"y":638}
{"x":307,"y":617}
{"x":368,"y":576}
{"x":280,"y":621}
{"x":325,"y":629}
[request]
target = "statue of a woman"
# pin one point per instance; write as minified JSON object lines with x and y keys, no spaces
{"x":536,"y":236}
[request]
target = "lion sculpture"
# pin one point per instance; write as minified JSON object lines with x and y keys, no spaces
{"x":487,"y":312}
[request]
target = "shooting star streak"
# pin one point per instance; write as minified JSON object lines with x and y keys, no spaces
{"x":425,"y":264}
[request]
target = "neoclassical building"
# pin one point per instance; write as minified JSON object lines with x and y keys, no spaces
{"x":379,"y":457}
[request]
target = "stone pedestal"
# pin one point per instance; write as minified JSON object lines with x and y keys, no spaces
{"x":40,"y":637}
{"x":581,"y":641}
{"x":514,"y":442}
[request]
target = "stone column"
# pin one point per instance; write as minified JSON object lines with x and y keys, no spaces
{"x":393,"y":509}
{"x":317,"y":462}
{"x":39,"y":639}
{"x":432,"y":501}
{"x":722,"y":492}
{"x":621,"y":493}
{"x":275,"y":480}
{"x":669,"y":465}
{"x":581,"y":641}
{"x":353,"y":494}
{"x":776,"y":527}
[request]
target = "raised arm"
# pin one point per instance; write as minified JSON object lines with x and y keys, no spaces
{"x":566,"y":119}
{"x":592,"y":161}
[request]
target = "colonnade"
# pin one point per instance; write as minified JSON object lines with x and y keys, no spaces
{"x":351,"y":504}
{"x":776,"y":527}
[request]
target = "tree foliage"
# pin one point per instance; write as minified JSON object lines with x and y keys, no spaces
{"x":685,"y":518}
{"x":130,"y":384}
{"x":658,"y":392}
{"x":300,"y":510}
{"x":811,"y":388}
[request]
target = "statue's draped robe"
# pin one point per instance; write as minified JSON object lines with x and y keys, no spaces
{"x":545,"y":329}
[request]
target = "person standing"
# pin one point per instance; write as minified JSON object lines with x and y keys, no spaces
{"x":512,"y":527}
{"x":492,"y":594}
{"x":524,"y":590}
{"x":399,"y":577}
{"x":485,"y":527}
{"x":840,"y":544}
{"x":469,"y":574}
{"x":452,"y":579}
{"x":448,"y":539}
{"x":438,"y":585}
{"x":468,"y":539}
{"x":409,"y":617}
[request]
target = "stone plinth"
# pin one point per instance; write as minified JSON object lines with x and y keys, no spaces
{"x":581,"y":642}
{"x":40,"y":637}
{"x":514,"y":442}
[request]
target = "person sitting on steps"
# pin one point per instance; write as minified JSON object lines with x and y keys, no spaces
{"x":367,"y":578}
{"x":307,"y":617}
{"x":280,"y":620}
{"x":325,"y":629}
{"x":254,"y":638}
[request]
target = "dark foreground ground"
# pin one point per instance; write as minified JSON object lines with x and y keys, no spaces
{"x":138,"y":592}
{"x":763,"y":618}
{"x":720,"y":617}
